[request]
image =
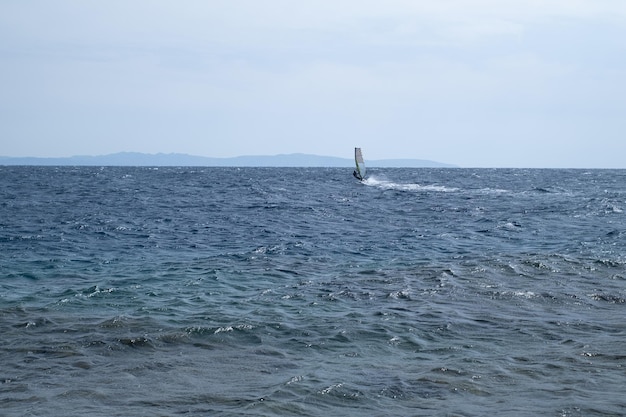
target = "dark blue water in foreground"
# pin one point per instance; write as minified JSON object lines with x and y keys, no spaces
{"x":290,"y":292}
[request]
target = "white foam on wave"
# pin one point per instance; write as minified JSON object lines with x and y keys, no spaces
{"x":390,"y":185}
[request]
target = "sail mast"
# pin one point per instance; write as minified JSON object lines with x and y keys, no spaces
{"x":360,"y":164}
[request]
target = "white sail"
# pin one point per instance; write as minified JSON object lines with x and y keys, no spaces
{"x":360,"y":164}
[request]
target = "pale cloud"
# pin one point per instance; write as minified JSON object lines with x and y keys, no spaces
{"x":471,"y":82}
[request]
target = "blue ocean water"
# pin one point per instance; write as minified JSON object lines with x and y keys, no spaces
{"x":128,"y":291}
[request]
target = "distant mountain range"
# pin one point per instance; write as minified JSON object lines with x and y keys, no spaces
{"x":178,"y":159}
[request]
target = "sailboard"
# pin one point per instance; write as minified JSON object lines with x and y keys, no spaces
{"x":359,"y":172}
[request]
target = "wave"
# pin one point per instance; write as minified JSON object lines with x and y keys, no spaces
{"x":384,"y":184}
{"x":390,"y":185}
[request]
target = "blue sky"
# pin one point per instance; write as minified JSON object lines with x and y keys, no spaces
{"x":476,"y":83}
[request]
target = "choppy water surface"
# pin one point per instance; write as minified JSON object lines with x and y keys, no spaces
{"x":274,"y":292}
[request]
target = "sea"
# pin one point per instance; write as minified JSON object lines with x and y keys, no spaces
{"x":195,"y":291}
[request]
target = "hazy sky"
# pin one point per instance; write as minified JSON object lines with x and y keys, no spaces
{"x":476,"y":83}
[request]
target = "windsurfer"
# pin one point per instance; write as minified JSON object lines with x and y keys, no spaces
{"x":359,"y":172}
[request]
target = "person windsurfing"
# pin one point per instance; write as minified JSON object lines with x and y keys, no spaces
{"x":359,"y":172}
